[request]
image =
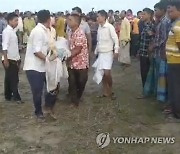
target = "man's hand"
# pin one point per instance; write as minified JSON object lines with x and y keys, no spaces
{"x":6,"y":63}
{"x":137,"y":56}
{"x":116,"y":55}
{"x":69,"y":59}
{"x":151,"y":47}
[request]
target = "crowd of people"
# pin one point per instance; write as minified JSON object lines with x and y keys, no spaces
{"x":152,"y":36}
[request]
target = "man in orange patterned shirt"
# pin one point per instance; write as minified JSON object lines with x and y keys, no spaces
{"x":79,"y":60}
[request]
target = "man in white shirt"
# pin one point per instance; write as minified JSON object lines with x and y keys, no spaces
{"x":124,"y":39}
{"x":107,"y":48}
{"x":34,"y":65}
{"x":11,"y":59}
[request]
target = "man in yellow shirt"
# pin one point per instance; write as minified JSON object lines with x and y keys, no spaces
{"x":29,"y":23}
{"x":173,"y":58}
{"x":135,"y":35}
{"x":124,"y":39}
{"x":60,"y":25}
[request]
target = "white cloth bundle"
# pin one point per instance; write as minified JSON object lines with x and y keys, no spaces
{"x":53,"y":73}
{"x":62,"y":47}
{"x":56,"y":68}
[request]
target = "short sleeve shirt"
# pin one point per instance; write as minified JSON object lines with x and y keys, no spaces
{"x":78,"y":39}
{"x":85,"y":27}
{"x":172,"y":49}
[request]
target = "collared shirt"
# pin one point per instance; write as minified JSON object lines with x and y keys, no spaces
{"x":161,"y":35}
{"x":146,"y":39}
{"x":107,"y":39}
{"x":20,"y":25}
{"x":38,"y":42}
{"x":10,"y":43}
{"x":83,"y":26}
{"x":135,"y":24}
{"x":172,"y":49}
{"x":78,"y":39}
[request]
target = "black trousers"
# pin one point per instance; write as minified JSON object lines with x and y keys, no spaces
{"x":11,"y":81}
{"x":134,"y":47}
{"x":144,"y":67}
{"x":174,"y":88}
{"x":77,"y":82}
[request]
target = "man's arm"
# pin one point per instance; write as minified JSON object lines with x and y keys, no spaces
{"x":115,"y":39}
{"x":177,"y":34}
{"x":89,"y":38}
{"x":38,"y":44}
{"x":128,"y":31}
{"x":78,"y":46}
{"x":178,"y":43}
{"x":40,"y":55}
{"x":76,"y":51}
{"x":5,"y":61}
{"x":5,"y":44}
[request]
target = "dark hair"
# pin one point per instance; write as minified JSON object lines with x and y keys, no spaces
{"x":11,"y":16}
{"x":161,"y":6}
{"x":175,"y":3}
{"x":139,"y":12}
{"x":103,"y":13}
{"x":129,"y":10}
{"x":93,"y":17}
{"x":111,"y":11}
{"x":123,"y":11}
{"x":84,"y":16}
{"x":43,"y":16}
{"x":77,"y":18}
{"x":78,"y":9}
{"x":148,"y":10}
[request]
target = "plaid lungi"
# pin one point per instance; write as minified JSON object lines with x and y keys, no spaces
{"x":150,"y":87}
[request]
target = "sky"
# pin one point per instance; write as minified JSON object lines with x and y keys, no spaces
{"x":86,"y":5}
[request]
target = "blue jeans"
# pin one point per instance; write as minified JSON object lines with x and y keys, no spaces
{"x":37,"y":81}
